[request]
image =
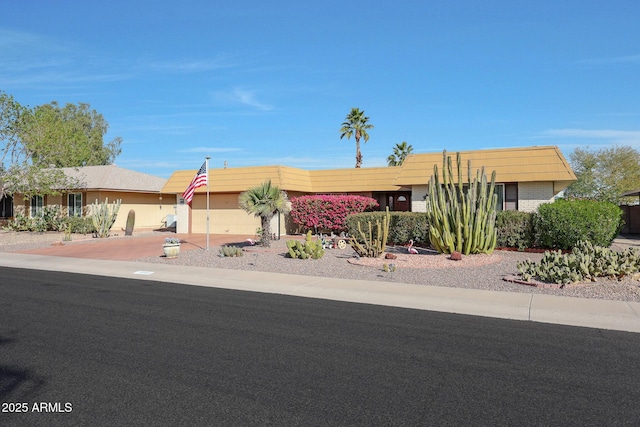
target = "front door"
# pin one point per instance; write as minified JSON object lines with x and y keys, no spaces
{"x":401,"y":203}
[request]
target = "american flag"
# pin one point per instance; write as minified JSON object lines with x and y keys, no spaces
{"x":198,"y":181}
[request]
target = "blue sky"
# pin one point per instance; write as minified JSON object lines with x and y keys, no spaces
{"x":262,"y":83}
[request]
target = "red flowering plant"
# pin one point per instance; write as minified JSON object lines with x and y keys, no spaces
{"x":328,"y":212}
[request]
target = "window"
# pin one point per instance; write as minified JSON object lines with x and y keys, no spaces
{"x":499,"y":190}
{"x":6,"y":207}
{"x":75,"y":204}
{"x":37,"y":205}
{"x":511,"y":197}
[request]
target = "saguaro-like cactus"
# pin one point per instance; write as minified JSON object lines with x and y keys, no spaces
{"x":131,"y":219}
{"x":462,"y":217}
{"x":103,"y":216}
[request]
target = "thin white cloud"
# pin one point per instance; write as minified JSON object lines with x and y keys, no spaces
{"x":21,"y":41}
{"x":612,"y":136}
{"x":63,"y":78}
{"x":243,"y":96}
{"x":34,"y":61}
{"x":170,"y":129}
{"x":249,"y":98}
{"x":210,"y":150}
{"x":191,"y":66}
{"x":627,"y":59}
{"x":321,"y":162}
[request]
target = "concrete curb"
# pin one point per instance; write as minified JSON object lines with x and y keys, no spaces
{"x":604,"y":314}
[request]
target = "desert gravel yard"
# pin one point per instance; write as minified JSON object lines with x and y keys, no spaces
{"x":427,"y":268}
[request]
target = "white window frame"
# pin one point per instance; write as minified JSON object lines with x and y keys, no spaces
{"x":36,"y":206}
{"x":74,"y":209}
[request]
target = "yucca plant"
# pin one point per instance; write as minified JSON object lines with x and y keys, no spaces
{"x":264,"y":201}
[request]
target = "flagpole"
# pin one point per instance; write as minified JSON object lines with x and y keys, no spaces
{"x":207,"y":163}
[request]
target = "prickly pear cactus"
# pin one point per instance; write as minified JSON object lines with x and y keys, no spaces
{"x":310,"y":249}
{"x":587,"y":262}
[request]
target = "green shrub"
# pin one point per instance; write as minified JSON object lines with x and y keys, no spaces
{"x":20,"y":222}
{"x":50,"y":220}
{"x":80,"y":225}
{"x":53,"y":218}
{"x":403,"y":226}
{"x":515,"y":229}
{"x":563,"y":223}
{"x":406,"y":226}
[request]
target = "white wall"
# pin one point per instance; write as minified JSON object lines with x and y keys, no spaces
{"x":530,"y":196}
{"x":418,"y":202}
{"x":533,"y":194}
{"x":182,"y":216}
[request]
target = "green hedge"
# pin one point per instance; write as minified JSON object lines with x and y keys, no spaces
{"x":560,"y":225}
{"x":81,"y":225}
{"x":515,"y":229}
{"x":404,"y":226}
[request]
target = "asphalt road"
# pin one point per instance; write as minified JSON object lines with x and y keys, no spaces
{"x":90,"y":350}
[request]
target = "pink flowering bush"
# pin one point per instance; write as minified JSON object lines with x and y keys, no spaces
{"x":327,"y":212}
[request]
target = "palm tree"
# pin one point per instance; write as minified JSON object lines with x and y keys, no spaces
{"x":264,"y":201}
{"x":356,"y":123}
{"x":400,"y":153}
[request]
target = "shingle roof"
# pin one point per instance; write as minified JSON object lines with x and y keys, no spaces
{"x":526,"y":164}
{"x":112,"y":177}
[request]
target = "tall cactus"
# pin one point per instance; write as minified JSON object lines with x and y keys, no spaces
{"x":131,"y":219}
{"x":103,"y":216}
{"x":370,"y":246}
{"x":462,"y":221}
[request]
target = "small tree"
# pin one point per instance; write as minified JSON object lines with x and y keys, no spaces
{"x":604,"y":174}
{"x":68,"y":136}
{"x":34,"y":142}
{"x":264,"y":201}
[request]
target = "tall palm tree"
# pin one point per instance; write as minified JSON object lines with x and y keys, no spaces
{"x":400,"y":153}
{"x":356,"y":123}
{"x":264,"y":201}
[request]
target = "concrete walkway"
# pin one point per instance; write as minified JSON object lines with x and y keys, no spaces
{"x":109,"y":258}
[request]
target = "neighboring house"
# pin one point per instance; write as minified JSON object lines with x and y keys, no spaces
{"x":525,"y":177}
{"x":136,"y":190}
{"x":631,"y":214}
